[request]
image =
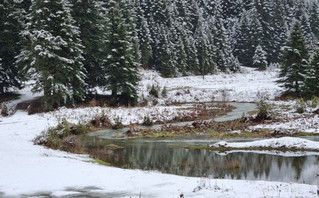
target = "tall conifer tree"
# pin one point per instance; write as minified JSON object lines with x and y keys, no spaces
{"x":11,"y":23}
{"x":120,"y":64}
{"x":294,"y":61}
{"x":311,"y":87}
{"x":52,"y":53}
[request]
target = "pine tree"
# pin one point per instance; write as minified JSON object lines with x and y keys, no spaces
{"x":52,"y":53}
{"x":144,"y":36}
{"x":224,"y":57}
{"x":314,"y":19}
{"x":11,"y":23}
{"x":243,"y":40}
{"x":120,"y":64}
{"x":294,"y":61}
{"x":164,"y":60}
{"x":204,"y":46}
{"x":311,"y":87}
{"x":87,"y":14}
{"x":260,"y":58}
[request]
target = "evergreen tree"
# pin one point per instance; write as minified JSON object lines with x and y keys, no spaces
{"x":163,"y":61}
{"x":144,"y":36}
{"x":224,"y":57}
{"x":243,"y":40}
{"x":294,"y":61}
{"x":311,"y":87}
{"x":260,"y":58}
{"x":314,"y":18}
{"x":52,"y":53}
{"x":204,"y":46}
{"x":278,"y":32}
{"x":11,"y":23}
{"x":120,"y":64}
{"x":87,"y":14}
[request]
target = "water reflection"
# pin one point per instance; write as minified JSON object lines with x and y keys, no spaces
{"x":159,"y":155}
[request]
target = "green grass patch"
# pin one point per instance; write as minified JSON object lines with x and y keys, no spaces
{"x":101,"y":162}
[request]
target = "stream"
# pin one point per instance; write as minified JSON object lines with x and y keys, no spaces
{"x":164,"y":155}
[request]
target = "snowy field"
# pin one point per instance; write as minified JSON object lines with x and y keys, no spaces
{"x":32,"y":170}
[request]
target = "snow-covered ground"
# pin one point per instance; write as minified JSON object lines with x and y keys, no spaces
{"x":27,"y":169}
{"x":247,"y":86}
{"x":277,"y":143}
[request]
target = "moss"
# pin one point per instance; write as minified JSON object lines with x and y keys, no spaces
{"x":160,"y":134}
{"x":300,"y":134}
{"x":113,"y":146}
{"x":101,"y":162}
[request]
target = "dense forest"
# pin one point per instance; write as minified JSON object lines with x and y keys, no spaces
{"x":68,"y":47}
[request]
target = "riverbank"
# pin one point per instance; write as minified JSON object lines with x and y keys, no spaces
{"x":34,"y":170}
{"x":28,"y":170}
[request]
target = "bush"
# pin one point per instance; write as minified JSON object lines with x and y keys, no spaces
{"x":63,"y":136}
{"x":300,"y":106}
{"x":154,"y":91}
{"x":314,"y":102}
{"x":101,"y":121}
{"x":147,"y":121}
{"x":265,"y":111}
{"x":117,"y":123}
{"x":4,"y":110}
{"x":72,"y":144}
{"x":164,"y":92}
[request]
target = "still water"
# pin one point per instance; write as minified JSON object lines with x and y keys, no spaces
{"x":162,"y":155}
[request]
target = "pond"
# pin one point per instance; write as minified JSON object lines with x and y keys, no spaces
{"x":162,"y":155}
{"x":166,"y":156}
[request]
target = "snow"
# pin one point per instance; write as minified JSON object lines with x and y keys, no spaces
{"x":277,"y":143}
{"x":30,"y":170}
{"x":247,"y":86}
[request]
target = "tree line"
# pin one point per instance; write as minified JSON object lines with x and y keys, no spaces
{"x":69,"y":47}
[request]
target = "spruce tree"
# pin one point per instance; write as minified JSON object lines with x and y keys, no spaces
{"x":311,"y":87}
{"x":260,"y":58}
{"x":120,"y":64}
{"x":144,"y":36}
{"x":52,"y":53}
{"x":243,"y":40}
{"x":204,"y":46}
{"x":294,"y":61}
{"x":11,"y":23}
{"x":88,"y":17}
{"x":224,"y":57}
{"x":314,"y":18}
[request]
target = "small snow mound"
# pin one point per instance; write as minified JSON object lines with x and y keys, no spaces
{"x":284,"y":142}
{"x":220,"y":144}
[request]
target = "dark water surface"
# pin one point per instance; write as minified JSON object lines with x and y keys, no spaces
{"x":162,"y":155}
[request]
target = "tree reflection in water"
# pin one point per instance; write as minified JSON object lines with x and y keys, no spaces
{"x":160,"y":156}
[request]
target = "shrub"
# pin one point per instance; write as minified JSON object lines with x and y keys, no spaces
{"x":117,"y":123}
{"x":4,"y":110}
{"x":300,"y":106}
{"x":63,"y":136}
{"x":314,"y":102}
{"x":265,"y":111}
{"x":147,"y":121}
{"x":101,"y":120}
{"x":72,"y":144}
{"x":164,"y":92}
{"x":154,"y":91}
